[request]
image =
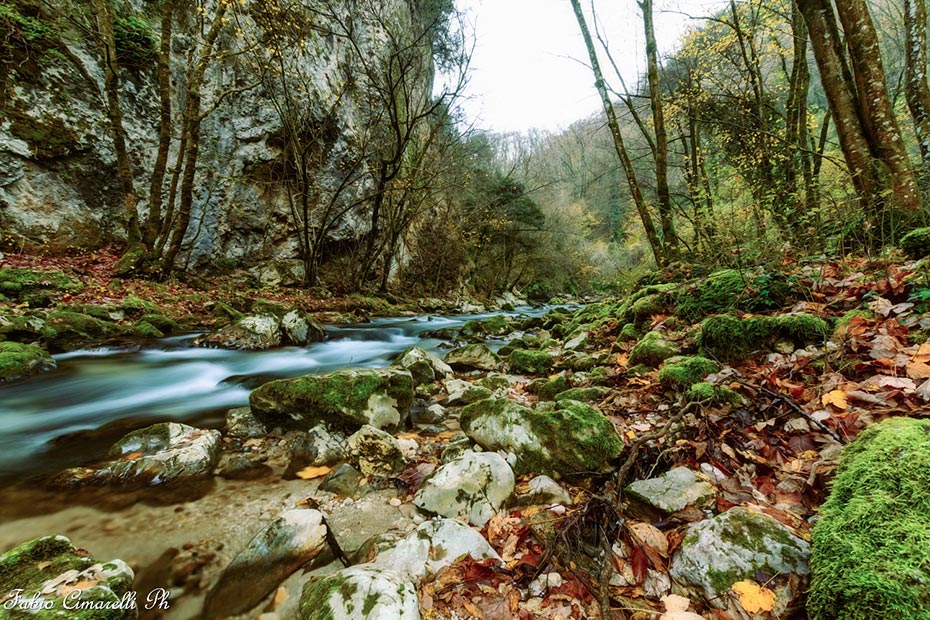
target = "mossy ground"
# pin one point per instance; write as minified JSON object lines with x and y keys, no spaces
{"x":530,"y":362}
{"x":871,"y":548}
{"x":714,"y":394}
{"x":726,"y":337}
{"x":683,"y":372}
{"x":652,"y":350}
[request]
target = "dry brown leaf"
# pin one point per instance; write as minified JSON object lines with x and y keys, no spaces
{"x":80,"y":585}
{"x":923,"y":354}
{"x":753,"y":597}
{"x":918,"y":370}
{"x":837,"y":398}
{"x":309,"y":473}
{"x":650,"y":535}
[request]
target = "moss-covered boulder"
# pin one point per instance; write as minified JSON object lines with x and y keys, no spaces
{"x":21,"y":360}
{"x":35,"y":287}
{"x":475,"y":485}
{"x":473,"y":357}
{"x":65,"y":331}
{"x":252,"y":333}
{"x":573,"y":437}
{"x":727,"y":337}
{"x":871,"y":547}
{"x":653,"y":349}
{"x":163,"y":454}
{"x":361,"y":592}
{"x":554,"y":386}
{"x":376,"y":452}
{"x":423,"y":366}
{"x":673,"y":491}
{"x":739,"y":545}
{"x":916,"y":244}
{"x":345,"y":400}
{"x":707,"y":392}
{"x":683,"y":372}
{"x":525,"y":361}
{"x":584,"y":394}
{"x":49,"y":579}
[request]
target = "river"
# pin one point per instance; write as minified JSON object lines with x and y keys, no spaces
{"x":47,"y":422}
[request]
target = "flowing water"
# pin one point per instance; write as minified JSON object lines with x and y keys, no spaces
{"x":48,"y":422}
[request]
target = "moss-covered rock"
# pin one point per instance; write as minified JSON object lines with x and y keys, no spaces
{"x":163,"y":323}
{"x":584,"y":394}
{"x":628,"y":332}
{"x":525,"y":361}
{"x":25,"y":283}
{"x":653,"y":349}
{"x":916,"y":244}
{"x":871,"y":547}
{"x":718,"y":293}
{"x":21,"y":360}
{"x":683,"y":372}
{"x":423,"y":366}
{"x":344,"y":400}
{"x":65,"y":330}
{"x":361,"y":592}
{"x":473,"y":356}
{"x":713,"y":394}
{"x":574,"y":437}
{"x":556,"y":385}
{"x":144,"y":329}
{"x":67,"y":579}
{"x":727,"y":337}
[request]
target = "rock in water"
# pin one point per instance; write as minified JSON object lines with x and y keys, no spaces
{"x":359,"y":593}
{"x":301,"y":329}
{"x":49,"y":580}
{"x":574,"y":437}
{"x":21,"y":360}
{"x":473,"y":356}
{"x":738,"y":545}
{"x":345,"y":400}
{"x":424,"y":366}
{"x":252,"y":333}
{"x":160,"y":454}
{"x":476,"y":485}
{"x":293,"y":540}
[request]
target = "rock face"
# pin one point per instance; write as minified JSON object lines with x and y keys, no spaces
{"x":162,"y":454}
{"x":345,"y":400}
{"x":673,"y":491}
{"x":49,"y":570}
{"x":737,"y":545}
{"x":293,"y":540}
{"x":59,"y":187}
{"x":361,"y":592}
{"x":572,"y":438}
{"x":476,"y":485}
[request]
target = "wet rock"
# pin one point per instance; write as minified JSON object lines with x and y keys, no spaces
{"x":293,"y":540}
{"x":473,"y":357}
{"x":241,"y":467}
{"x":736,"y":545}
{"x":424,"y":367}
{"x":21,"y":360}
{"x":541,"y":491}
{"x":361,"y":592}
{"x":343,"y":480}
{"x":318,"y":446}
{"x":300,"y":329}
{"x":65,"y":331}
{"x":474,"y":484}
{"x":161,"y":454}
{"x":464,"y":393}
{"x":576,"y":343}
{"x":242,"y":424}
{"x":344,"y":400}
{"x":376,"y":453}
{"x":573,"y":437}
{"x":433,"y":545}
{"x":252,"y":333}
{"x":52,"y":575}
{"x":673,"y":491}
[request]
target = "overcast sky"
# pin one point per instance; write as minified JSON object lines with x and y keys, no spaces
{"x":527,"y":69}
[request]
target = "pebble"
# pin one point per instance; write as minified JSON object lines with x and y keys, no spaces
{"x":395,"y":501}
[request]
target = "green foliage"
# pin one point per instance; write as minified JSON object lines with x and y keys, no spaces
{"x":727,"y":337}
{"x":135,"y":41}
{"x":916,"y":244}
{"x":683,"y":372}
{"x":870,"y":555}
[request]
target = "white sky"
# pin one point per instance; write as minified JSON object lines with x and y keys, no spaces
{"x":529,"y":68}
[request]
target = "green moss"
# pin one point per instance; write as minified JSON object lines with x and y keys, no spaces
{"x":726,"y":337}
{"x":652,"y":350}
{"x":135,"y":41}
{"x":530,"y":362}
{"x":161,"y":322}
{"x":224,"y":312}
{"x":21,"y":360}
{"x":494,"y":382}
{"x":648,"y":306}
{"x":718,"y":293}
{"x":134,"y":306}
{"x":145,"y":329}
{"x":916,"y":244}
{"x":683,"y":372}
{"x":38,"y":560}
{"x":67,"y":330}
{"x":314,"y":599}
{"x":871,"y":548}
{"x":554,"y":386}
{"x":629,"y":332}
{"x":715,"y":394}
{"x":16,"y":282}
{"x":843,"y":321}
{"x":583,"y":394}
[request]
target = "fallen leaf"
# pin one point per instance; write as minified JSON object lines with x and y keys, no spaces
{"x":676,"y":608}
{"x":309,"y":473}
{"x":918,"y":370}
{"x":753,"y":597}
{"x":837,"y":398}
{"x":648,"y":534}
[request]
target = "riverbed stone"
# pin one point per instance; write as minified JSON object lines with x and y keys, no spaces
{"x":22,"y":360}
{"x":242,"y":424}
{"x":527,"y":361}
{"x":66,"y":331}
{"x":291,"y":541}
{"x":432,"y":546}
{"x":673,"y":491}
{"x":375,"y":452}
{"x":737,"y":545}
{"x":653,"y":349}
{"x":424,"y":367}
{"x":344,"y":400}
{"x":362,"y":592}
{"x":251,"y":333}
{"x":463,"y":393}
{"x":318,"y":446}
{"x":343,"y":480}
{"x":473,"y":357}
{"x":572,"y":437}
{"x":584,"y":394}
{"x":541,"y":491}
{"x":299,"y":328}
{"x":474,"y":484}
{"x":50,"y":569}
{"x":161,"y":454}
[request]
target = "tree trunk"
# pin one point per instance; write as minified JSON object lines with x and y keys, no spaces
{"x":916,"y":89}
{"x":614,"y":125}
{"x":664,"y":196}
